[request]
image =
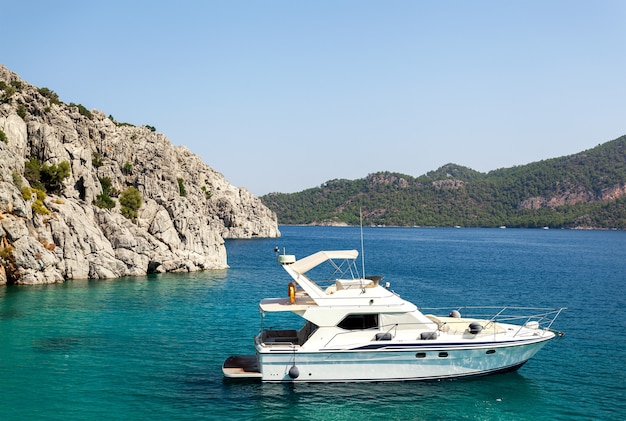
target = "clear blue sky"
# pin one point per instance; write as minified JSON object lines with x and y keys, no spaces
{"x":281,"y":96}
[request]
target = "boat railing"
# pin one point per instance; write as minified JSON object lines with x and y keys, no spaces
{"x":286,"y":337}
{"x":538,"y":317}
{"x":338,"y":335}
{"x":282,"y":337}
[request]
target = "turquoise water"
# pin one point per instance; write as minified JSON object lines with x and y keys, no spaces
{"x":152,"y":347}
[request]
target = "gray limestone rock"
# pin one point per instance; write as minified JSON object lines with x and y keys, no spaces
{"x":187,"y":208}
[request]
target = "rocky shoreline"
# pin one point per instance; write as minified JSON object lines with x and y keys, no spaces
{"x":185,"y":210}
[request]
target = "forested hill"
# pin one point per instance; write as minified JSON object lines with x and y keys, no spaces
{"x":584,"y":190}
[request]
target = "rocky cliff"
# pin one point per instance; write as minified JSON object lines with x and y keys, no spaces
{"x":79,"y":227}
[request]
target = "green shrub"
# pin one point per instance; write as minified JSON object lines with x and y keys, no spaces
{"x":82,"y":110}
{"x":52,"y":176}
{"x":130,"y":201}
{"x":51,"y":95}
{"x":7,"y":92}
{"x":118,"y":124}
{"x":105,"y":183}
{"x":21,"y":111}
{"x":38,"y":207}
{"x":46,"y":177}
{"x":107,"y":187}
{"x":17,"y":180}
{"x":32,"y":172}
{"x":26,"y":192}
{"x":96,"y":159}
{"x":127,"y":169}
{"x":104,"y":201}
{"x":6,"y":253}
{"x":41,"y":195}
{"x":151,"y":128}
{"x":3,"y":137}
{"x":207,"y":193}
{"x":181,"y":187}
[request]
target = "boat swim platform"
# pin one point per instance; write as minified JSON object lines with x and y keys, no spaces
{"x":242,"y":366}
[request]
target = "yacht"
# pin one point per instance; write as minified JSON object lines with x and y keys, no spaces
{"x":354,"y":328}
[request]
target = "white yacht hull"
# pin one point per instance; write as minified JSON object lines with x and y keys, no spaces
{"x":415,"y":362}
{"x":357,"y":330}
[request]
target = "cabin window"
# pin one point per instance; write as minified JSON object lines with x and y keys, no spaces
{"x":443,"y":354}
{"x":491,"y":351}
{"x":420,"y":355}
{"x":359,"y":322}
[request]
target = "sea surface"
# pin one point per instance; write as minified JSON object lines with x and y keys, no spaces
{"x":151,"y":348}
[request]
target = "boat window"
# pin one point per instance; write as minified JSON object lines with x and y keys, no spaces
{"x":359,"y":321}
{"x":420,"y":355}
{"x":491,"y":351}
{"x":443,"y":354}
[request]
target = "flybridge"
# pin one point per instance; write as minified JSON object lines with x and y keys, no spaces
{"x":340,"y":286}
{"x":342,"y":260}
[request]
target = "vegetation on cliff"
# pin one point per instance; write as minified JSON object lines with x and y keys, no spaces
{"x":587,"y":189}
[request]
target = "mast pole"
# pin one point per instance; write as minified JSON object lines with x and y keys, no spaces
{"x":362,"y":248}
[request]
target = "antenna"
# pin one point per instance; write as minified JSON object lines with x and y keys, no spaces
{"x":362,"y":248}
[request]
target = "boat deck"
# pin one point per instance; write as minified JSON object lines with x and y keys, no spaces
{"x":461,"y":325}
{"x":242,"y":366}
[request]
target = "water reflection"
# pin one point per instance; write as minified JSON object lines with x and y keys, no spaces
{"x":66,"y":343}
{"x":490,"y":397}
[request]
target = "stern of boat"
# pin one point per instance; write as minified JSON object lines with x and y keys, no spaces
{"x":242,"y":367}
